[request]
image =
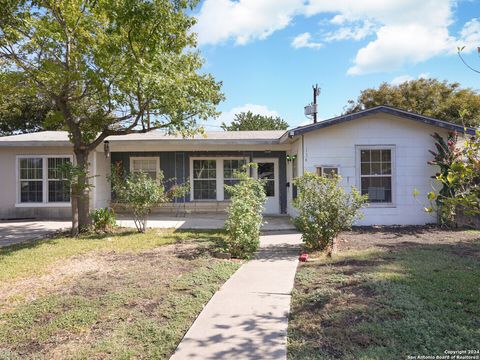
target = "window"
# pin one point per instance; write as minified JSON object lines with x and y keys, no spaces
{"x":266,"y":172}
{"x":40,"y":181}
{"x":148,"y":165}
{"x":327,"y":171}
{"x":31,"y":180}
{"x":204,"y":179}
{"x":376,"y":174}
{"x":58,"y":189}
{"x":230,"y":166}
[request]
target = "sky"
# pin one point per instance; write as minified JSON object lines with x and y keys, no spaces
{"x":269,"y":53}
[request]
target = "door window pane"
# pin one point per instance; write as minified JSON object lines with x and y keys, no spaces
{"x":266,"y":171}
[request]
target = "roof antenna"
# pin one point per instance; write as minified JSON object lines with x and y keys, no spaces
{"x":311,"y":109}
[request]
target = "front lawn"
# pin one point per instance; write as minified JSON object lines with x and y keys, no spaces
{"x":390,"y":293}
{"x":126,"y":295}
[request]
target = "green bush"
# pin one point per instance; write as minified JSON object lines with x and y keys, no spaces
{"x":325,"y":209}
{"x":139,"y":193}
{"x":103,"y":219}
{"x":244,"y":215}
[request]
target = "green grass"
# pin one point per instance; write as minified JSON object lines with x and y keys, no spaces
{"x":138,"y":304}
{"x":35,"y":258}
{"x":420,"y":299}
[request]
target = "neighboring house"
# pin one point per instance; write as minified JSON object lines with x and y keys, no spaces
{"x":382,"y":151}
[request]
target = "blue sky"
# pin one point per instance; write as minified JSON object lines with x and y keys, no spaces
{"x":269,"y":53}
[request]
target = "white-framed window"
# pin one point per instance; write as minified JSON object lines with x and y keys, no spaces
{"x":230,"y":167}
{"x":208,"y":175}
{"x":204,"y":179}
{"x":40,"y":182}
{"x":376,"y":166}
{"x":327,"y":170}
{"x":150,"y":165}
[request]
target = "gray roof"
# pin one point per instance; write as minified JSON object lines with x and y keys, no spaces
{"x":380,"y":109}
{"x":60,"y":138}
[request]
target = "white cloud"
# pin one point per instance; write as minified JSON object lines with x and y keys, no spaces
{"x":406,"y":31}
{"x":402,"y":78}
{"x":228,"y":116}
{"x":243,"y":20}
{"x":356,"y":32}
{"x":304,"y":40}
{"x":470,"y":35}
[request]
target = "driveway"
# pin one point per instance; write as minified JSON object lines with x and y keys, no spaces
{"x":20,"y":231}
{"x":248,"y":317}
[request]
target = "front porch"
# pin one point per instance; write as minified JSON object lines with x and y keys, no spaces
{"x":203,"y":221}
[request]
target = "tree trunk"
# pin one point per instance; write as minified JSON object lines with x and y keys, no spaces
{"x":332,"y":248}
{"x":74,"y":192}
{"x":83,"y":200}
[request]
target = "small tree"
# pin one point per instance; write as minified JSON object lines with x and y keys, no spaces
{"x":244,"y":214}
{"x":250,"y":121}
{"x":325,"y":209}
{"x":139,"y":193}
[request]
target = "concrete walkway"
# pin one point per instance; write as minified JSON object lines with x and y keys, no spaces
{"x":248,"y":317}
{"x":21,"y":231}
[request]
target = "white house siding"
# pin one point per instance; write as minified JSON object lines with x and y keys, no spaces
{"x":99,"y":196}
{"x":336,"y":145}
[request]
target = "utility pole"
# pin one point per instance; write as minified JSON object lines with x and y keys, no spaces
{"x":316,"y":92}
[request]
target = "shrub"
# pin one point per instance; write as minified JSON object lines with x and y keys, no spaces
{"x":325,"y":209}
{"x":139,"y":193}
{"x":103,"y":219}
{"x":244,"y":215}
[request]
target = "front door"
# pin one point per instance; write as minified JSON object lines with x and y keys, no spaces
{"x":268,"y":171}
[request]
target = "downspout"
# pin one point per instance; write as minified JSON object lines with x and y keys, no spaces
{"x":303,"y":157}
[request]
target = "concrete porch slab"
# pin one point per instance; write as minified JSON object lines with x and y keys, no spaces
{"x":202,"y":221}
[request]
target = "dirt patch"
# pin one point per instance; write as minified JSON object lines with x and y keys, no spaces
{"x":95,"y":266}
{"x":362,"y":238}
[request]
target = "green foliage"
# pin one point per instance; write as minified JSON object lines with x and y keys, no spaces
{"x":103,"y":220}
{"x":249,"y":121}
{"x":325,"y":209}
{"x":460,"y":176}
{"x":244,"y":214}
{"x":21,"y":110}
{"x":109,"y":68}
{"x":139,"y":193}
{"x":430,"y":97}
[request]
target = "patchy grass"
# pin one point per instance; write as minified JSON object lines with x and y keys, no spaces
{"x":129,"y":295}
{"x":405,"y":294}
{"x":35,"y":258}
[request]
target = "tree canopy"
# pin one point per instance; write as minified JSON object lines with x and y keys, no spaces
{"x":429,"y":97}
{"x":22,"y":111}
{"x":250,"y":121}
{"x":110,"y":67}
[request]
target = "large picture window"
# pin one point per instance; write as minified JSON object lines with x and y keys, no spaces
{"x":376,"y":174}
{"x":40,"y":180}
{"x":231,"y":166}
{"x":205,"y":179}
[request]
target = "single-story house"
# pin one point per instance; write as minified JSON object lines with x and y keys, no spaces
{"x":382,"y":151}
